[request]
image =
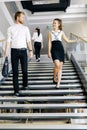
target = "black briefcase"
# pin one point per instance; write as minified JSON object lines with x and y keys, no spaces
{"x":5,"y":67}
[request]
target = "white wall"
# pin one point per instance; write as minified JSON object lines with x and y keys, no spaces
{"x":5,"y":19}
{"x":42,"y":20}
{"x":78,"y":2}
{"x":5,"y":22}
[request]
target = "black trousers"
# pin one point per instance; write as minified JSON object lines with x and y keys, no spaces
{"x":16,"y":56}
{"x":37,"y":46}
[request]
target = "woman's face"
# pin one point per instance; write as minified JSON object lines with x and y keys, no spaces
{"x":35,"y":30}
{"x":56,"y":24}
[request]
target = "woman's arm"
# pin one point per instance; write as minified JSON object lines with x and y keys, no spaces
{"x":49,"y":45}
{"x":68,"y":40}
{"x":33,"y":37}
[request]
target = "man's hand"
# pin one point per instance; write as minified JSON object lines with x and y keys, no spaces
{"x":30,"y":54}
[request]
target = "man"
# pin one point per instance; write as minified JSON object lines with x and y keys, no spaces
{"x":18,"y":39}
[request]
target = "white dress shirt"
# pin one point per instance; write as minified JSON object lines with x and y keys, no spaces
{"x":18,"y":35}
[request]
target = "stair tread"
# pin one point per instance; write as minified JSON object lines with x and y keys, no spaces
{"x":42,"y":115}
{"x":42,"y":98}
{"x":43,"y":127}
{"x":44,"y":106}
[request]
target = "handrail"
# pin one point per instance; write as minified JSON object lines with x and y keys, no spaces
{"x":2,"y":40}
{"x":82,"y":39}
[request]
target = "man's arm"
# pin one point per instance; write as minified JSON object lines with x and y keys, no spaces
{"x":8,"y":42}
{"x":7,"y":47}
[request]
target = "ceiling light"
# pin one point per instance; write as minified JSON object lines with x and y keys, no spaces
{"x":39,"y":2}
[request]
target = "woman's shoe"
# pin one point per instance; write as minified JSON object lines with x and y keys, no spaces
{"x":58,"y":85}
{"x":54,"y":82}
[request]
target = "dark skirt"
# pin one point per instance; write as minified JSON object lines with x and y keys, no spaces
{"x":57,"y":51}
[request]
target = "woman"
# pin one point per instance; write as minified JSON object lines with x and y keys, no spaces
{"x":56,"y":50}
{"x":38,"y":43}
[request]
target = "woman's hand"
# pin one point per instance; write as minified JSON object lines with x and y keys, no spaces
{"x":49,"y":55}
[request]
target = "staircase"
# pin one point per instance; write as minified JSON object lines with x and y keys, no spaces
{"x":42,"y":106}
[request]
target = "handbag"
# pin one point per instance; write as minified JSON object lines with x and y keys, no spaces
{"x":5,"y":68}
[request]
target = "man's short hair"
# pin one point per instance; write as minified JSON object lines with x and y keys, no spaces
{"x":18,"y":14}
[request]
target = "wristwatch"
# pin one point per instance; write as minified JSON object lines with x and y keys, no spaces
{"x":30,"y":50}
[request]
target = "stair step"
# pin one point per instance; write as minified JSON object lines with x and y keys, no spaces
{"x":46,"y":116}
{"x":44,"y":62}
{"x":46,"y":92}
{"x":43,"y":92}
{"x":44,"y":77}
{"x":44,"y":74}
{"x":44,"y":81}
{"x":21,"y":126}
{"x":47,"y":86}
{"x":47,"y":71}
{"x":47,"y":68}
{"x":42,"y":98}
{"x":43,"y":106}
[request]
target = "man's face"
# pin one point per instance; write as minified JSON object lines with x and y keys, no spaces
{"x":21,"y":18}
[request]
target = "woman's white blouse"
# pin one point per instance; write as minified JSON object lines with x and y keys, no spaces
{"x":37,"y":38}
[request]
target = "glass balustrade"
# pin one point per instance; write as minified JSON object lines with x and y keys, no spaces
{"x":79,"y":51}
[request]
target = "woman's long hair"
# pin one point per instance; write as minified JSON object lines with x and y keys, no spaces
{"x":38,"y":31}
{"x":60,"y":22}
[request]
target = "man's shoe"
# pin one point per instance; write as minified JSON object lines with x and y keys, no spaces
{"x":24,"y":88}
{"x":36,"y":60}
{"x":16,"y":94}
